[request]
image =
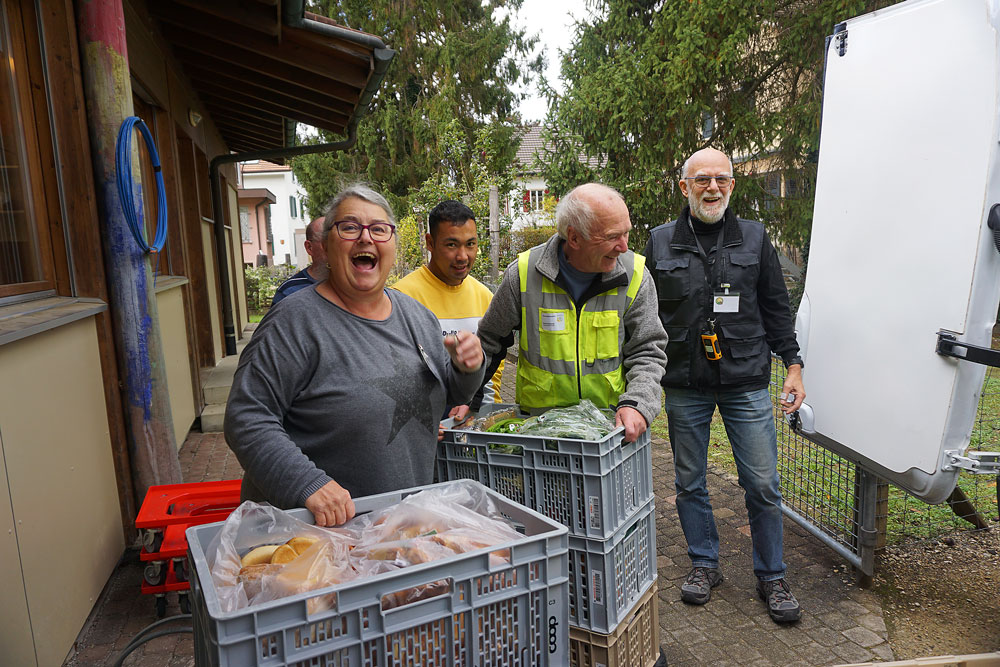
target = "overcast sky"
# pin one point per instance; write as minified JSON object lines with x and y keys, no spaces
{"x":552,"y":20}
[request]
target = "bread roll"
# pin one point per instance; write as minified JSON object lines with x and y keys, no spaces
{"x":250,"y":576}
{"x":300,"y":544}
{"x":284,"y":554}
{"x":292,"y":549}
{"x":259,"y":556}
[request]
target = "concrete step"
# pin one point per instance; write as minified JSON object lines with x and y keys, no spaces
{"x":212,"y":418}
{"x":218,"y":380}
{"x":217,"y":393}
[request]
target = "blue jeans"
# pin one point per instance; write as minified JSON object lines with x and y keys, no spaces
{"x":749,"y":420}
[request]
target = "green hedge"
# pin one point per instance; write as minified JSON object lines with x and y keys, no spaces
{"x":262,"y":282}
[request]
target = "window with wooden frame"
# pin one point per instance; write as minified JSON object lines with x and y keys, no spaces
{"x":26,"y":262}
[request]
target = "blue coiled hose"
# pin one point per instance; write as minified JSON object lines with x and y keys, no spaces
{"x":123,"y":164}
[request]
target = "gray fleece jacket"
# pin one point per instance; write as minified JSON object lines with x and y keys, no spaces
{"x":642,"y":352}
{"x":321,"y":394}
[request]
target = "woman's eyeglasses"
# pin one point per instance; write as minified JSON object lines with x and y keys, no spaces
{"x":349,"y":230}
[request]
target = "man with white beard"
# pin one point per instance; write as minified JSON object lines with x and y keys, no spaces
{"x":723,"y":303}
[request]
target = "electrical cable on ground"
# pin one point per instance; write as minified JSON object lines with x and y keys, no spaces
{"x":140,"y":639}
{"x":123,"y":165}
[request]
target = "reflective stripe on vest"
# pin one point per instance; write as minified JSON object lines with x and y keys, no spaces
{"x":560,"y":363}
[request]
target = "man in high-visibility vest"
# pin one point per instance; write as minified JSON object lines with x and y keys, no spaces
{"x":586,"y":309}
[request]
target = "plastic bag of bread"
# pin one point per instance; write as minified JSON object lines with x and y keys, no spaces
{"x":258,"y":542}
{"x":457,"y":506}
{"x":322,"y":563}
{"x":262,"y":553}
{"x":434,"y":524}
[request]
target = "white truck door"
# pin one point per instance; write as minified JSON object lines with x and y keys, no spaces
{"x":900,"y":246}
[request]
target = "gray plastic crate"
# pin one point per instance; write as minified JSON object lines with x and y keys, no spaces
{"x":592,"y":487}
{"x":509,"y":615}
{"x":607,"y":578}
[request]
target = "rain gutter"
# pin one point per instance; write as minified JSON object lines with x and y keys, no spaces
{"x":293,"y":15}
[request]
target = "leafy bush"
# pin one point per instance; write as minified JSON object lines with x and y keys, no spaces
{"x":409,"y":245}
{"x":262,"y":282}
{"x":529,"y":237}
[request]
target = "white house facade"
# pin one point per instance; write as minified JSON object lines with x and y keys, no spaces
{"x":288,"y":219}
{"x":526,"y":204}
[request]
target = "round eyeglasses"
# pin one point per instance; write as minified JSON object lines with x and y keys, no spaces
{"x":350,"y":230}
{"x":705,"y":181}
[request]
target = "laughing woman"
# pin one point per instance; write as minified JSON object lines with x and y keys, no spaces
{"x":338,"y":393}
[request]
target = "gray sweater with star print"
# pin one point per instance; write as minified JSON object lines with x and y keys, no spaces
{"x":322,"y":394}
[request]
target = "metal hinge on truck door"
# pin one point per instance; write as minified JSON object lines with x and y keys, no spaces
{"x":978,"y":463}
{"x":840,"y":38}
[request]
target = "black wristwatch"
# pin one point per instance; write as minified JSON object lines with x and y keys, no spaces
{"x":795,"y":360}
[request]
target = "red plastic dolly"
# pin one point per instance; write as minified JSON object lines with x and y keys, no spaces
{"x":186,"y":504}
{"x":167,"y":511}
{"x":170,"y":583}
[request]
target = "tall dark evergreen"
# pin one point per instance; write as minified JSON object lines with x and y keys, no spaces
{"x":648,"y":83}
{"x":458,"y":63}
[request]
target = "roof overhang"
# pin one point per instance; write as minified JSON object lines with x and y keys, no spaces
{"x":256,"y":194}
{"x":261,"y":66}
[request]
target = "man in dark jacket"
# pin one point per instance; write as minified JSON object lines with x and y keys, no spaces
{"x":724,"y":306}
{"x":317,"y":269}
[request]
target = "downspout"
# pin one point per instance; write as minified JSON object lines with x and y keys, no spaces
{"x":382,"y":56}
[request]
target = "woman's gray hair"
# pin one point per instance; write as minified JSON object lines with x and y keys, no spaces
{"x":362,"y":191}
{"x":575,"y":211}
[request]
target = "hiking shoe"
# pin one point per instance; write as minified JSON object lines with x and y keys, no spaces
{"x":697,"y":588}
{"x":781,"y":604}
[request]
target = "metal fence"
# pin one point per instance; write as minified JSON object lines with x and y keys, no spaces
{"x":855,"y":513}
{"x":850,"y":509}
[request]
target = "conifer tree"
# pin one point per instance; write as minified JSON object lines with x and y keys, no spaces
{"x":647,"y":83}
{"x":457,"y":64}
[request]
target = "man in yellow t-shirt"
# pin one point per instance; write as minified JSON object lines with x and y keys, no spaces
{"x":445,"y":287}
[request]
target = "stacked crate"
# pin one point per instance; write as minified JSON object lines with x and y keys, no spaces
{"x":602,"y":490}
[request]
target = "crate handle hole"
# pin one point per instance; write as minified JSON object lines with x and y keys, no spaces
{"x":413,"y":594}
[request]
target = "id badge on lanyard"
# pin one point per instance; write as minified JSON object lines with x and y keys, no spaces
{"x":725,"y":301}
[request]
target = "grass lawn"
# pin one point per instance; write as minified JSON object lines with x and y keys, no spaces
{"x":909,"y":517}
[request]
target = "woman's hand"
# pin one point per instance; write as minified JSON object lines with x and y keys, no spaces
{"x":466,"y":351}
{"x":331,"y":505}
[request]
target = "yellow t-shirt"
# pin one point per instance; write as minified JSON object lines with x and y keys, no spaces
{"x":457,"y":307}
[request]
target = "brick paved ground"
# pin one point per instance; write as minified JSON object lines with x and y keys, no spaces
{"x":840,"y":624}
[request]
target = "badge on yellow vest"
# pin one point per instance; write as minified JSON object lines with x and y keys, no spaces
{"x":553,"y":321}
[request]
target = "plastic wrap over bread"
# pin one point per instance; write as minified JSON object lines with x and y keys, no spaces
{"x":263,"y":553}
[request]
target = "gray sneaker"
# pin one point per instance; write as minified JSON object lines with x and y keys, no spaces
{"x":781,"y":604}
{"x":697,"y":588}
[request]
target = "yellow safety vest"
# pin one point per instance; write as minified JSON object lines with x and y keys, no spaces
{"x":563,"y":358}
